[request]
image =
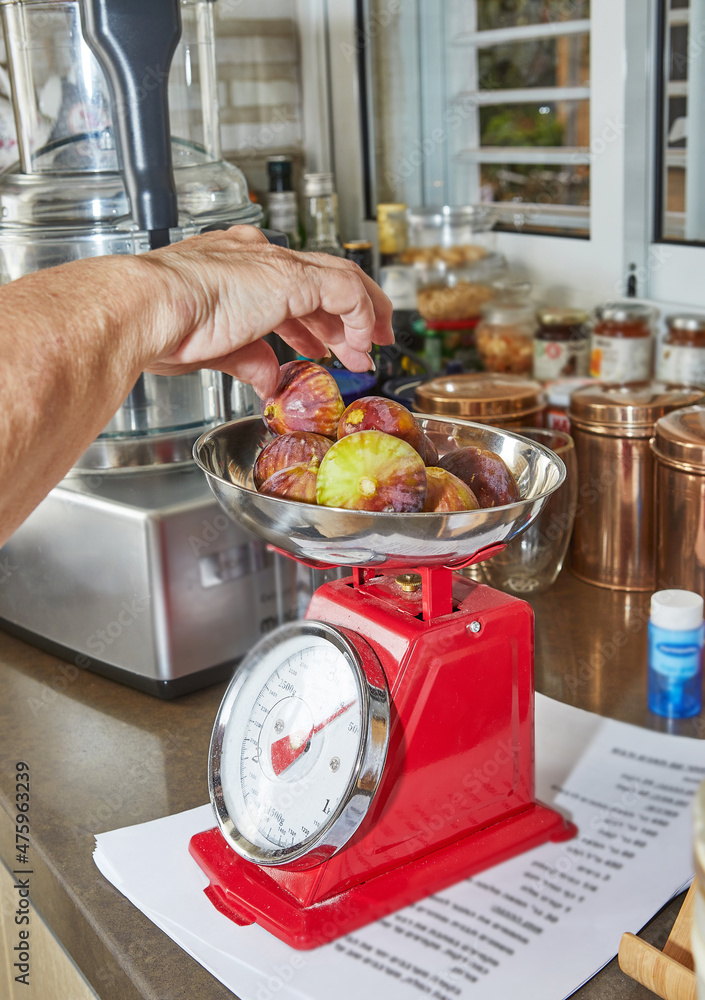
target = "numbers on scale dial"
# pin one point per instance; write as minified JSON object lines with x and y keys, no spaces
{"x":300,"y":745}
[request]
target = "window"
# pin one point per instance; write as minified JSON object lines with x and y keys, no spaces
{"x":482,"y":101}
{"x":624,"y":127}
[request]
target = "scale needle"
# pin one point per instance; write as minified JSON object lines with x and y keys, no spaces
{"x":289,"y":748}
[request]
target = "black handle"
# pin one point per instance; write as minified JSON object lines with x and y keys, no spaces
{"x":134,"y":41}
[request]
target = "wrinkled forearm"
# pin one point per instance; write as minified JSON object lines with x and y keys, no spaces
{"x":66,"y":365}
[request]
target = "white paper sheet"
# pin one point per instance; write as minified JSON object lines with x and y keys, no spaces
{"x":537,"y":926}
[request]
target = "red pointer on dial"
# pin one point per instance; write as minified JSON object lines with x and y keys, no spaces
{"x":289,"y":748}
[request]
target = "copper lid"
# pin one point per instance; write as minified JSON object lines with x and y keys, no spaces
{"x":479,"y":395}
{"x":679,"y":438}
{"x":628,"y":407}
{"x":357,"y":245}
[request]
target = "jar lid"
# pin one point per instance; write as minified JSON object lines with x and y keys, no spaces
{"x":677,"y":610}
{"x":679,"y":437}
{"x":687,"y":322}
{"x":357,"y":245}
{"x":559,"y":391}
{"x":385,"y":208}
{"x":497,"y":312}
{"x":628,"y":407}
{"x":626,"y":312}
{"x":318,"y":185}
{"x":562,"y":317}
{"x":479,"y":395}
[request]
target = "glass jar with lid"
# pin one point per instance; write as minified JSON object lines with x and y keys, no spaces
{"x":505,"y":334}
{"x":621,"y":344}
{"x":682,"y":356}
{"x":562,"y":344}
{"x":451,"y":250}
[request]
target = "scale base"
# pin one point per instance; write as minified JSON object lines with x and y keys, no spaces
{"x":245,"y":893}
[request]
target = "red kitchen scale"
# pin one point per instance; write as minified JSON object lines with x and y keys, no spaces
{"x":382,"y":749}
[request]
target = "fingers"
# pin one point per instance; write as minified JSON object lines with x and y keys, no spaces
{"x":295,"y":333}
{"x":255,"y":364}
{"x":381,"y":329}
{"x":345,"y":298}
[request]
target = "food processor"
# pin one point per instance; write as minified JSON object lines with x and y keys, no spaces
{"x":129,"y":567}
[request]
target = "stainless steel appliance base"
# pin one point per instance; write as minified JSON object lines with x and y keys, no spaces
{"x":144,"y":579}
{"x":160,"y":689}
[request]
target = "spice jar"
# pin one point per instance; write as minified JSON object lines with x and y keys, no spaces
{"x":621,"y":342}
{"x":614,"y":538}
{"x":679,"y":449}
{"x":508,"y":401}
{"x":682,"y":358}
{"x":562,"y":344}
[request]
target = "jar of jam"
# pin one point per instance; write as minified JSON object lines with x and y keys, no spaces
{"x":682,"y":359}
{"x":562,"y":344}
{"x":621,"y":345}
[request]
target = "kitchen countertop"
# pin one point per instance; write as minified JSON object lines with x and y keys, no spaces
{"x":104,"y":756}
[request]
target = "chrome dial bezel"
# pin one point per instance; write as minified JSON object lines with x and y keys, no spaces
{"x":354,"y":802}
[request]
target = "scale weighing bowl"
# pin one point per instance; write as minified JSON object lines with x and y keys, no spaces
{"x":326,"y":536}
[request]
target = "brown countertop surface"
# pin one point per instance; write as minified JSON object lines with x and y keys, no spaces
{"x":104,"y":756}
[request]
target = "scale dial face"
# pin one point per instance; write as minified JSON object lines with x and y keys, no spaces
{"x":299,"y":745}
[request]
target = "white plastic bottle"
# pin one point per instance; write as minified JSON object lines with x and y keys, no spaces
{"x":676,"y":633}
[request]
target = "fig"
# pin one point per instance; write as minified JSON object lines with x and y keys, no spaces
{"x":485,"y":472}
{"x":376,"y":413}
{"x":297,"y":482}
{"x":447,"y":493}
{"x":289,"y":449}
{"x":374,"y":471}
{"x":431,"y":456}
{"x":306,"y":399}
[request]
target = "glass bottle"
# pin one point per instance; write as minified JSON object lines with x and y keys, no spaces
{"x":281,"y":200}
{"x":391,"y":232}
{"x":322,"y":220}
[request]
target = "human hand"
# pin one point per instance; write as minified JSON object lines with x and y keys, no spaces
{"x":227,"y":289}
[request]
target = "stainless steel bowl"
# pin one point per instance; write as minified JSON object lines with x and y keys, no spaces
{"x":333,"y":536}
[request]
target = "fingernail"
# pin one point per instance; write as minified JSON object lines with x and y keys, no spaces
{"x":373,"y":366}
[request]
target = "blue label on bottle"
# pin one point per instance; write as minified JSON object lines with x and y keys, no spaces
{"x":672,"y":649}
{"x":675,"y":655}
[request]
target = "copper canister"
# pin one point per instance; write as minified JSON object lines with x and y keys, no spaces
{"x":678,"y":446}
{"x":508,"y":401}
{"x":614,"y":539}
